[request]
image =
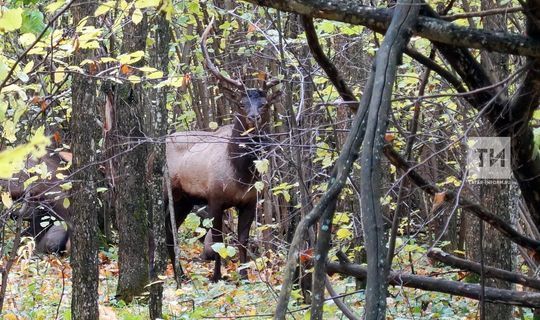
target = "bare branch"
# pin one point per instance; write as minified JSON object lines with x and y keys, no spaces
{"x":484,"y":13}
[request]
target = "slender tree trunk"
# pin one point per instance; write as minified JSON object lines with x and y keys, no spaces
{"x":131,"y":199}
{"x":84,"y":227}
{"x":157,"y":128}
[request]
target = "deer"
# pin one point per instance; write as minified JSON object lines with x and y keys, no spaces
{"x":216,"y":168}
{"x":42,"y":202}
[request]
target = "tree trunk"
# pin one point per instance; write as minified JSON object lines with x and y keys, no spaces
{"x":84,"y":225}
{"x":497,"y":250}
{"x":131,"y":196}
{"x":157,"y":128}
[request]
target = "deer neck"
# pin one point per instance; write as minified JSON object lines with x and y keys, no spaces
{"x":243,"y":150}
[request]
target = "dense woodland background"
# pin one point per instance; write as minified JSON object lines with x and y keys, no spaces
{"x":365,"y":208}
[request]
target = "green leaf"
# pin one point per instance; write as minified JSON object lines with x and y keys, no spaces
{"x":192,"y":221}
{"x":32,"y":21}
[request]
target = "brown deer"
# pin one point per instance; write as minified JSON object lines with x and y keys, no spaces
{"x":42,"y":202}
{"x":216,"y":168}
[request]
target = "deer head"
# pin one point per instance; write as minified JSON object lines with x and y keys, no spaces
{"x":252,"y":104}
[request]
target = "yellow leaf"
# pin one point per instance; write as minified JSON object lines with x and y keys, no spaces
{"x":148,"y":69}
{"x":213,"y":125}
{"x":66,"y":186}
{"x":341,"y":217}
{"x":27,"y":39}
{"x":262,"y":165}
{"x":10,"y":316}
{"x":137,"y":16}
{"x":28,"y":67}
{"x":10,"y":19}
{"x":9,"y":131}
{"x":66,"y":203}
{"x":6,"y":200}
{"x":134,"y":79}
{"x":155,"y":75}
{"x":55,"y":6}
{"x":29,"y":181}
{"x":104,"y":8}
{"x":130,"y":57}
{"x":59,"y":75}
{"x":259,"y":186}
{"x":140,"y":4}
{"x":11,"y":160}
{"x":343,"y":233}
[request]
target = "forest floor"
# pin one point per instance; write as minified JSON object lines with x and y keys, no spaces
{"x":40,"y":288}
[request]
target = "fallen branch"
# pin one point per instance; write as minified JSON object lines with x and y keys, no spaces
{"x":472,"y":291}
{"x":489,"y":272}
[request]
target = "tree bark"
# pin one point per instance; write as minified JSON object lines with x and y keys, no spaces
{"x":157,"y":127}
{"x":386,"y":61}
{"x":131,"y":200}
{"x":493,"y":250}
{"x":84,"y":225}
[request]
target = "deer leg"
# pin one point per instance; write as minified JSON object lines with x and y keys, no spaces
{"x":180,"y":213}
{"x":217,"y":236}
{"x":245,"y":219}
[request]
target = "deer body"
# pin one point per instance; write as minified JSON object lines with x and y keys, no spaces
{"x":202,"y":166}
{"x":216,"y":168}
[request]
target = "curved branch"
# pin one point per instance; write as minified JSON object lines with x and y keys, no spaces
{"x":445,"y":74}
{"x":327,"y":65}
{"x":434,"y":29}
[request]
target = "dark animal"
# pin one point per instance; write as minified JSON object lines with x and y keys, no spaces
{"x":54,"y":240}
{"x":42,"y":201}
{"x":216,"y":168}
